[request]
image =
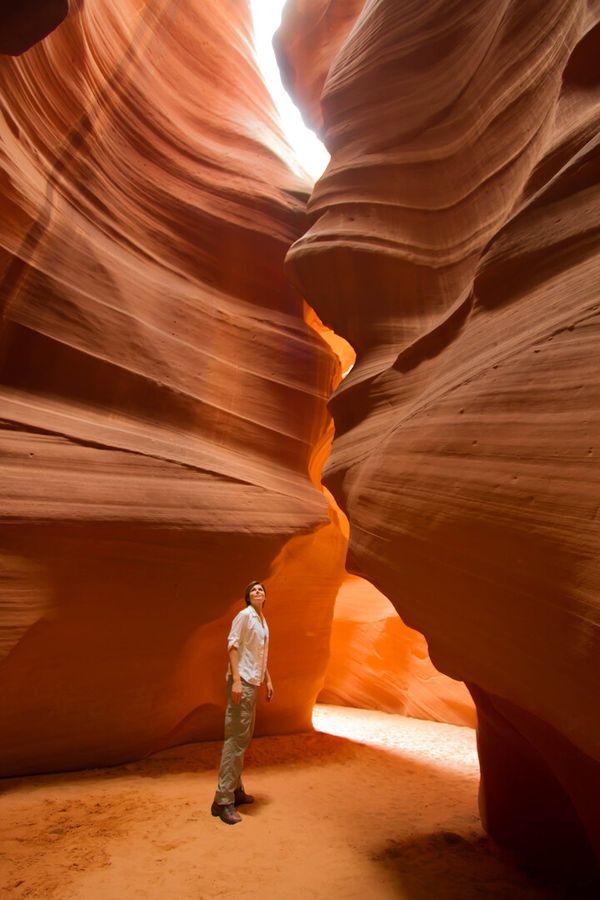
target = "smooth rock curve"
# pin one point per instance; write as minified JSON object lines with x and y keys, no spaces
{"x":455,"y":246}
{"x":162,"y":396}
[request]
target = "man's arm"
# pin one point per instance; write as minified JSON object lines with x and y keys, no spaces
{"x":236,"y":687}
{"x":269,"y":684}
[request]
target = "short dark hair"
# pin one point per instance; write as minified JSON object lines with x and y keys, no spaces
{"x":249,"y":588}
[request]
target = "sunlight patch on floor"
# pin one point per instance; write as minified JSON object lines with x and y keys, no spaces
{"x":450,"y":747}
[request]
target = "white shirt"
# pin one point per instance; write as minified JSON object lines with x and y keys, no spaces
{"x":250,"y":634}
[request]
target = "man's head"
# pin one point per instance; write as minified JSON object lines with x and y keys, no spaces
{"x":255,"y":593}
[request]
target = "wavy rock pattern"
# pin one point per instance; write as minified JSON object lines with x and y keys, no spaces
{"x":162,"y":397}
{"x":375,"y":660}
{"x":455,"y":245}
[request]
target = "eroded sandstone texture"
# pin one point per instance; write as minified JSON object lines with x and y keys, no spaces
{"x":162,"y":397}
{"x":455,"y":245}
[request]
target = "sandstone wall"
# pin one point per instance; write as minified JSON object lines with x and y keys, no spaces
{"x":455,"y":245}
{"x":162,"y":397}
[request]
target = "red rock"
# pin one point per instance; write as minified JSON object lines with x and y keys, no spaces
{"x":455,"y":246}
{"x":163,"y":399}
{"x":375,"y":661}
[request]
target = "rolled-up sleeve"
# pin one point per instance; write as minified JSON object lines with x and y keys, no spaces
{"x":235,"y":632}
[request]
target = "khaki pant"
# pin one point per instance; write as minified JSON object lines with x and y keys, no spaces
{"x":239,"y":727}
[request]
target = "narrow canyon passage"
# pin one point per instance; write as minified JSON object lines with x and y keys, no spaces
{"x":369,"y":805}
{"x":169,"y":389}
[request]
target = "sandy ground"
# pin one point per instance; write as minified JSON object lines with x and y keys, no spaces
{"x":368,"y":806}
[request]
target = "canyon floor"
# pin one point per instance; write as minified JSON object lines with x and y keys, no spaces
{"x":368,"y":806}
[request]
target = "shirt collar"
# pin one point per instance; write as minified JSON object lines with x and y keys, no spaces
{"x":260,"y":618}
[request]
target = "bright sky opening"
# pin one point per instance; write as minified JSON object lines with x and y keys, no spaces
{"x":311,"y":153}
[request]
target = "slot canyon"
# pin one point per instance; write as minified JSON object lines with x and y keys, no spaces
{"x":380,"y":393}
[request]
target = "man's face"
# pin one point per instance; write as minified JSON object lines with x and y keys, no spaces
{"x":257,"y":597}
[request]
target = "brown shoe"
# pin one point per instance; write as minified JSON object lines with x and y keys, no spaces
{"x":226,"y":812}
{"x":241,"y":797}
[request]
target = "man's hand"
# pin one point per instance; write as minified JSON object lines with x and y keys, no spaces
{"x":236,"y":691}
{"x":269,"y":691}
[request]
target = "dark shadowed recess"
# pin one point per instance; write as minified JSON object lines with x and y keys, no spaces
{"x":24,"y":23}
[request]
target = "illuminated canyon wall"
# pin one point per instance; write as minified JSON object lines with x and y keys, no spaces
{"x":163,"y":399}
{"x":377,"y":662}
{"x":454,"y":244}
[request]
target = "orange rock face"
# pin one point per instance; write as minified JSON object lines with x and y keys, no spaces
{"x":162,"y":396}
{"x":376,"y":662}
{"x":455,"y":246}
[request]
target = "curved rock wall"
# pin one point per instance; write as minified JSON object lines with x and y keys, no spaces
{"x":455,"y":245}
{"x":162,"y":397}
{"x":376,"y":661}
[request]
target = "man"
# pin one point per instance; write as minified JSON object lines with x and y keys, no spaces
{"x":248,"y":647}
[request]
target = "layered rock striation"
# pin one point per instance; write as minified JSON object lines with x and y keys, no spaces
{"x":454,"y":244}
{"x":162,"y":399}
